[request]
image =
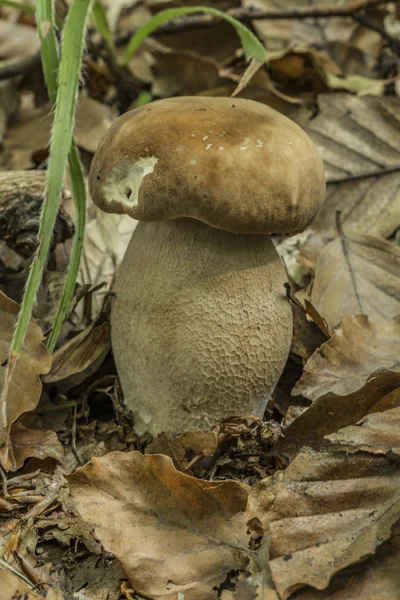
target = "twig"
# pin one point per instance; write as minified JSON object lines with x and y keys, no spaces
{"x":246,"y":15}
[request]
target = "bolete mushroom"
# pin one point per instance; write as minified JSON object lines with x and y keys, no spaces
{"x":201,"y":325}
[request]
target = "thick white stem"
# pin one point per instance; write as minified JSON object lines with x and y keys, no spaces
{"x":201,"y":326}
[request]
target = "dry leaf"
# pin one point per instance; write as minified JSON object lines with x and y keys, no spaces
{"x":307,"y":336}
{"x":352,"y":46}
{"x":359,"y":139}
{"x":357,"y":275}
{"x":31,"y":443}
{"x":92,"y":120}
{"x":330,"y":413}
{"x":324,"y":513}
{"x":376,"y":578}
{"x":378,"y":432}
{"x":166,"y":444}
{"x":17,"y":40}
{"x":171,"y":532}
{"x":358,"y":349}
{"x":81,"y":356}
{"x":13,"y":587}
{"x":34,"y":360}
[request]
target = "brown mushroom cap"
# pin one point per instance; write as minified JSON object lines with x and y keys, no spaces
{"x":234,"y":164}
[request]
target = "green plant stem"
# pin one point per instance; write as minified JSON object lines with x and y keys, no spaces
{"x":102,"y":25}
{"x":23,"y":7}
{"x":50,"y":62}
{"x":251,"y":45}
{"x":61,"y":141}
{"x":79,"y":194}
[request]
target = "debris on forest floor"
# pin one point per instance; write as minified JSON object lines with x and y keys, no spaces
{"x":304,"y":503}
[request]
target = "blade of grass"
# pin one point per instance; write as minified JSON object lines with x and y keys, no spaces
{"x":24,"y":7}
{"x":79,"y":195}
{"x":69,"y":72}
{"x":251,"y":45}
{"x":49,"y":51}
{"x":50,"y":63}
{"x":102,"y":25}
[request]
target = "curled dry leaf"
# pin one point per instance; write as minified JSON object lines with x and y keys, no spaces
{"x":171,"y":532}
{"x":359,"y":139}
{"x":343,"y":364}
{"x":30,"y":443}
{"x":331,"y":412}
{"x":324,"y":513}
{"x":376,"y":578}
{"x":25,"y":387}
{"x":378,"y":433}
{"x":81,"y":356}
{"x":13,"y":587}
{"x":357,"y":275}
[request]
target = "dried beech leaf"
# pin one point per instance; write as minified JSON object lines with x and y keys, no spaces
{"x":166,"y":444}
{"x":307,"y":336}
{"x":357,"y":275}
{"x":353,"y":47}
{"x":378,"y":432}
{"x":34,"y":360}
{"x":343,"y":364}
{"x":359,"y":139}
{"x":324,"y":513}
{"x":30,"y":443}
{"x":378,"y":578}
{"x":331,"y":412}
{"x":13,"y":587}
{"x":172,"y":533}
{"x":92,"y":120}
{"x":80,"y":356}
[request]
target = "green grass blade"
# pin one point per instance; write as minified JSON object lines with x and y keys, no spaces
{"x":251,"y":45}
{"x":48,"y":46}
{"x":50,"y":62}
{"x":24,"y":7}
{"x":69,"y":72}
{"x":102,"y":25}
{"x":79,"y":194}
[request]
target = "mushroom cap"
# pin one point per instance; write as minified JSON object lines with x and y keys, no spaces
{"x":234,"y":164}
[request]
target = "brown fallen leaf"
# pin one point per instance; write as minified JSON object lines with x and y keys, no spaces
{"x":325,"y":512}
{"x":307,"y":336}
{"x":376,"y":578}
{"x":358,"y":349}
{"x":17,"y":40}
{"x":357,"y":275}
{"x":13,"y":587}
{"x":330,"y":412}
{"x":81,"y":356}
{"x":30,"y":443}
{"x":359,"y":139}
{"x":25,"y":387}
{"x":92,"y":120}
{"x":378,"y":433}
{"x":354,"y":47}
{"x":172,"y":533}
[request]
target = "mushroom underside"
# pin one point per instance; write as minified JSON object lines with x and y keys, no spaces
{"x":201,"y":326}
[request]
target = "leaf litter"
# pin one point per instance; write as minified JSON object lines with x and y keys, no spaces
{"x":303,"y":503}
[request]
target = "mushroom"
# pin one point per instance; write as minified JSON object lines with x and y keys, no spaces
{"x":201,"y":324}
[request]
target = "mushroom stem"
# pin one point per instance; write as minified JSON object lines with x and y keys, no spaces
{"x":201,"y":326}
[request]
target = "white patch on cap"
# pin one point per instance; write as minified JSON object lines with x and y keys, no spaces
{"x":221,"y":147}
{"x":208,"y":146}
{"x":260,"y":144}
{"x":205,"y":138}
{"x":124,"y":183}
{"x":243,"y":147}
